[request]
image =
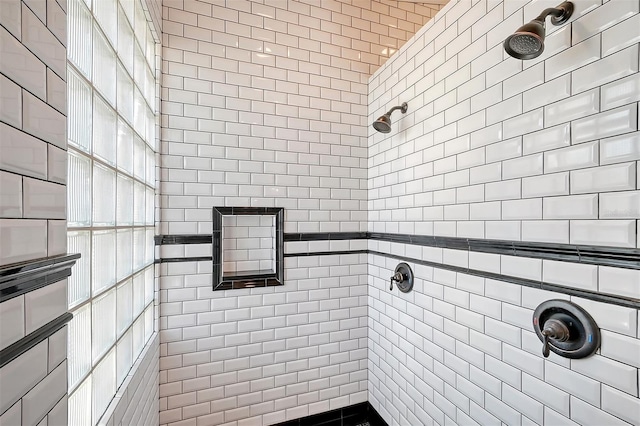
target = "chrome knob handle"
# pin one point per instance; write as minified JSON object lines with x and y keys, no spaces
{"x":553,"y":330}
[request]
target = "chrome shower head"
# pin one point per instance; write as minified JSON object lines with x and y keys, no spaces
{"x":528,"y":40}
{"x":383,"y":123}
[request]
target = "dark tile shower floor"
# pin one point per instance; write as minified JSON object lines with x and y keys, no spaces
{"x":362,"y":414}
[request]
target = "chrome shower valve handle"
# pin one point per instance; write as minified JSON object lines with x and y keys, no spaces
{"x":556,"y":330}
{"x":403,"y":276}
{"x":396,"y":277}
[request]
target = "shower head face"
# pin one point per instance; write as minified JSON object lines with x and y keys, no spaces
{"x":527,"y":42}
{"x":383,"y":124}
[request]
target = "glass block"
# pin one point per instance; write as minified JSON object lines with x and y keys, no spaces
{"x":124,"y":359}
{"x":149,"y":86}
{"x":150,"y":128}
{"x":125,"y":94}
{"x":139,"y":158}
{"x":124,"y":208}
{"x":79,"y":287}
{"x":138,"y":336}
{"x":139,"y":244}
{"x":150,"y":48}
{"x":78,"y":190}
{"x":104,"y":66}
{"x":148,"y":323}
{"x":129,"y":8}
{"x":139,"y":202}
{"x":79,"y":405}
{"x":104,"y":196}
{"x":138,"y":294}
{"x":151,"y":168}
{"x":139,"y":67}
{"x":103,"y":260}
{"x":124,"y":306}
{"x":79,"y":35}
{"x":149,"y":211}
{"x":78,"y":342}
{"x":149,"y":247}
{"x":104,"y":130}
{"x":149,"y":284}
{"x":104,"y":383}
{"x":124,"y":253}
{"x":105,"y":12}
{"x":79,"y":122}
{"x":104,"y":324}
{"x":125,"y":41}
{"x":140,"y":26}
{"x":125,"y":147}
{"x":139,"y":113}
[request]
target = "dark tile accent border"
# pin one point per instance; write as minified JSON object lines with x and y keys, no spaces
{"x":270,"y":278}
{"x":325,"y":253}
{"x":352,"y":415}
{"x":182,"y":239}
{"x":322,"y":236}
{"x":628,"y":258}
{"x":21,"y":278}
{"x":183,"y":259}
{"x":594,"y":255}
{"x":627,"y":302}
{"x":16,"y":349}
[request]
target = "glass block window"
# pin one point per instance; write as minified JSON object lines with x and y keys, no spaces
{"x":111,"y":197}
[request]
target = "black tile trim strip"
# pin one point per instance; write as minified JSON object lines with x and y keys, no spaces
{"x":183,"y":259}
{"x":183,"y":239}
{"x":323,"y":236}
{"x":599,"y":297}
{"x":348,"y":416}
{"x":593,"y":255}
{"x":326,"y":253}
{"x":627,"y":302}
{"x":16,"y":349}
{"x":21,"y":278}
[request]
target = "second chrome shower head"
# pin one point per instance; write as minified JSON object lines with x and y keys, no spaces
{"x":383,"y":123}
{"x":528,"y":40}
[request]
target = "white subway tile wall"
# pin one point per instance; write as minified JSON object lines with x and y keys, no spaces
{"x":578,"y":134}
{"x":266,"y":105}
{"x":248,"y":243}
{"x":263,"y":355}
{"x":33,"y":386}
{"x":551,"y":149}
{"x":32,"y":191}
{"x":32,"y":122}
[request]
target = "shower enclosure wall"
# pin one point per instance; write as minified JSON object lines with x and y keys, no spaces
{"x":259,"y":109}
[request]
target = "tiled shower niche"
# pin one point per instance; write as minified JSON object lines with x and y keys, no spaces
{"x":248,"y":247}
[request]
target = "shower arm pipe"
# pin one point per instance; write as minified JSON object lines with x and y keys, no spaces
{"x":402,"y":107}
{"x":557,"y":12}
{"x":553,"y":11}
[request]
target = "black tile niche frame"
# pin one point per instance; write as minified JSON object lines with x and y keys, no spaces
{"x":250,"y":279}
